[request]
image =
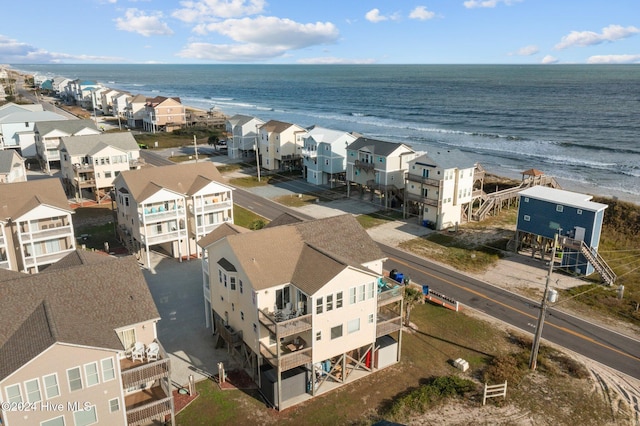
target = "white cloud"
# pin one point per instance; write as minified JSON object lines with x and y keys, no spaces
{"x":614,"y":59}
{"x":525,"y":51}
{"x":374,"y":16}
{"x":549,"y":60}
{"x":473,"y":4}
{"x":249,"y":52}
{"x":13,"y":52}
{"x":421,"y":13}
{"x":589,"y":38}
{"x":272,"y":31}
{"x":136,"y":21}
{"x":328,"y":60}
{"x":260,"y":38}
{"x":212,"y":10}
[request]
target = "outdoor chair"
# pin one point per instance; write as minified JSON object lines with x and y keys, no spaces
{"x":137,"y":352}
{"x":153,"y":351}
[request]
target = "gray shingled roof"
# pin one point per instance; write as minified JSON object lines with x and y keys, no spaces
{"x":240,"y":119}
{"x":284,"y":219}
{"x":446,"y":159}
{"x":375,"y":146}
{"x":68,"y":126}
{"x":81,"y":305}
{"x":220,"y":232}
{"x":276,"y":126}
{"x":183,"y":178}
{"x":7,"y":159}
{"x":19,"y":197}
{"x":88,"y":144}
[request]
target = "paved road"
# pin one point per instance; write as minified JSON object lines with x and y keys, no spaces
{"x":605,"y":346}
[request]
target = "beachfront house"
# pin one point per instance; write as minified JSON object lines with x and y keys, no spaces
{"x":134,"y":110}
{"x":280,"y":145}
{"x":90,"y":163}
{"x":79,"y":92}
{"x":12,"y":167}
{"x":48,"y":135}
{"x":37,"y":230}
{"x":17,"y":124}
{"x":545,"y":212}
{"x":171,"y":207}
{"x":242,"y":131}
{"x":378,"y":167}
{"x":79,"y":345}
{"x":106,"y":101}
{"x":309,"y":317}
{"x":439,"y":188}
{"x":324,"y":155}
{"x":163,"y":114}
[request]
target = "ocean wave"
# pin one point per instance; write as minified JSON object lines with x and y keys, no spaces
{"x":609,"y":148}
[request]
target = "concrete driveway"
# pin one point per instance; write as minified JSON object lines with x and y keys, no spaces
{"x":177,"y":290}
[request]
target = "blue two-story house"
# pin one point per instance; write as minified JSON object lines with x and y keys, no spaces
{"x":544,"y":212}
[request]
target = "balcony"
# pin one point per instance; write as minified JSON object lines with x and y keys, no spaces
{"x":389,"y":291}
{"x":84,"y":167}
{"x":85,"y":183}
{"x":47,"y":234}
{"x":211,"y":207}
{"x":136,"y":163}
{"x":136,"y":373}
{"x":162,"y":238}
{"x":231,"y":336}
{"x":284,"y":327}
{"x":158,"y":214}
{"x":311,"y":153}
{"x":421,"y":179}
{"x":152,"y":403}
{"x":45,"y":259}
{"x":364,"y":165}
{"x":290,"y":356}
{"x":388,"y":324}
{"x":420,"y":199}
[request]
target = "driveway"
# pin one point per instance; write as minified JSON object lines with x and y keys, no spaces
{"x":177,"y":290}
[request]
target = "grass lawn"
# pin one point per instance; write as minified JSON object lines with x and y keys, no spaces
{"x":442,"y":336}
{"x":250,"y":181}
{"x":245,"y":218}
{"x":378,"y":218}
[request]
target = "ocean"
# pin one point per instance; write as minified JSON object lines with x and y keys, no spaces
{"x":578,"y":123}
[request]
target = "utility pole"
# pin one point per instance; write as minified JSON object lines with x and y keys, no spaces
{"x":543,"y":309}
{"x":257,"y":153}
{"x":195,"y":146}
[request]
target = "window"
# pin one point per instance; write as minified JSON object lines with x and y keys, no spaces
{"x":318,"y":335}
{"x":329,"y":302}
{"x":232,"y":280}
{"x":32,"y":387}
{"x":13,"y":393}
{"x":224,"y":279}
{"x":58,"y":421}
{"x":526,"y":218}
{"x":242,"y":315}
{"x":319,"y":305}
{"x":370,"y":291}
{"x":107,"y":175}
{"x":114,"y":405}
{"x":241,"y":287}
{"x":353,"y":325}
{"x":579,"y":211}
{"x":75,"y":379}
{"x":219,"y":276}
{"x":339,"y":300}
{"x":127,"y":337}
{"x":108,"y":371}
{"x":361,"y":293}
{"x":255,"y":328}
{"x":91,"y":371}
{"x":352,"y":295}
{"x":85,"y":416}
{"x":370,"y":318}
{"x":336,"y":331}
{"x":559,"y":208}
{"x":526,"y":199}
{"x":51,"y":386}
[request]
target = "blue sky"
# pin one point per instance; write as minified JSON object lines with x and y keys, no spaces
{"x":321,"y":31}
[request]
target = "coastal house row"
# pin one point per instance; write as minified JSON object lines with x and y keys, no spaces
{"x":171,"y":207}
{"x":79,"y":345}
{"x":48,"y":135}
{"x":17,"y":127}
{"x":36,"y":228}
{"x":309,"y":317}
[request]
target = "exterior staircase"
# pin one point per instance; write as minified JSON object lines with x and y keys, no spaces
{"x":593,"y":257}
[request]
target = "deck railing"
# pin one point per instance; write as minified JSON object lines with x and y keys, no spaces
{"x":287,"y":327}
{"x":146,"y":413}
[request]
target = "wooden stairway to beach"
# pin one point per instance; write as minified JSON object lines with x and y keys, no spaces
{"x":592,"y":256}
